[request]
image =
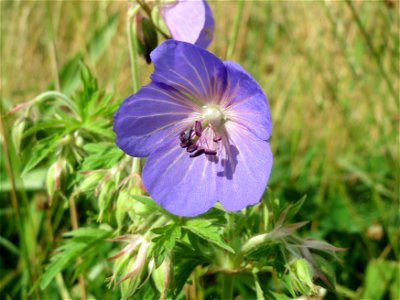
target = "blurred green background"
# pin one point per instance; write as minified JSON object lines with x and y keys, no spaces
{"x":330,"y":70}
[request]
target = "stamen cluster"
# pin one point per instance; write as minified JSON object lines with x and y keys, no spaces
{"x":195,"y":143}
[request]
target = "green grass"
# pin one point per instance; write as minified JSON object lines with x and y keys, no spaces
{"x":330,"y":71}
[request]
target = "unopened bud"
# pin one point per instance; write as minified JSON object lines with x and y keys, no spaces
{"x":301,"y":276}
{"x":105,"y":197}
{"x":146,"y":36}
{"x":161,"y":277}
{"x":303,"y":271}
{"x":18,"y":130}
{"x":138,"y":263}
{"x":90,"y":181}
{"x":56,"y":177}
{"x":78,"y":140}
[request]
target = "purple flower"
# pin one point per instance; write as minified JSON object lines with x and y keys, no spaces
{"x":204,"y":125}
{"x":189,"y":21}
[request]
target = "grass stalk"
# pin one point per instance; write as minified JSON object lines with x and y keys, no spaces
{"x":11,"y":170}
{"x":374,"y":53}
{"x":235,"y":31}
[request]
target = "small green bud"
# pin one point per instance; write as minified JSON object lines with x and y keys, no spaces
{"x":303,"y":271}
{"x":78,"y":140}
{"x":146,"y":36}
{"x":301,"y":276}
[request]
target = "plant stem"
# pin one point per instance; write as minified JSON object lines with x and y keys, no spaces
{"x":75,"y":226}
{"x":227,"y":286}
{"x":133,"y":46}
{"x":234,"y":33}
{"x":133,"y":54}
{"x":46,"y":96}
{"x":12,"y":170}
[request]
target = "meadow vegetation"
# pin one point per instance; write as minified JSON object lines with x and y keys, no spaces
{"x":330,"y":70}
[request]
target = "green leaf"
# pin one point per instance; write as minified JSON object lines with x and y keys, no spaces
{"x":150,"y":204}
{"x":182,"y":271}
{"x":43,"y":125}
{"x":40,"y":151}
{"x":101,"y":156}
{"x":165,"y":241}
{"x":207,"y":231}
{"x":289,"y":212}
{"x":380,"y":275}
{"x":101,"y":38}
{"x":259,"y":291}
{"x":295,"y":208}
{"x":82,"y":240}
{"x":69,"y":80}
{"x":31,"y":181}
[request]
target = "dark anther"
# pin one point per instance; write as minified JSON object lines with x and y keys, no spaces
{"x":192,"y":148}
{"x":198,"y":129}
{"x":210,"y":152}
{"x":186,"y":137}
{"x":197,"y":153}
{"x":185,"y":144}
{"x":188,"y":134}
{"x":182,"y":137}
{"x":217,"y":138}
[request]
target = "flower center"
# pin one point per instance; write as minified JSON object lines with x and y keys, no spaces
{"x":213,"y":115}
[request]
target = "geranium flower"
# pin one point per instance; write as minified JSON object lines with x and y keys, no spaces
{"x":189,"y":21}
{"x":204,"y":125}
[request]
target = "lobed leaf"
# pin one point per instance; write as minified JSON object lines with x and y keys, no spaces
{"x":207,"y":231}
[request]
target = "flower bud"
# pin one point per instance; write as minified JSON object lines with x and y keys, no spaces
{"x":146,"y":36}
{"x":56,"y":177}
{"x":90,"y":181}
{"x":301,"y":276}
{"x":78,"y":139}
{"x":18,"y":131}
{"x":130,"y":264}
{"x":161,"y":277}
{"x":105,"y":197}
{"x":303,"y":271}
